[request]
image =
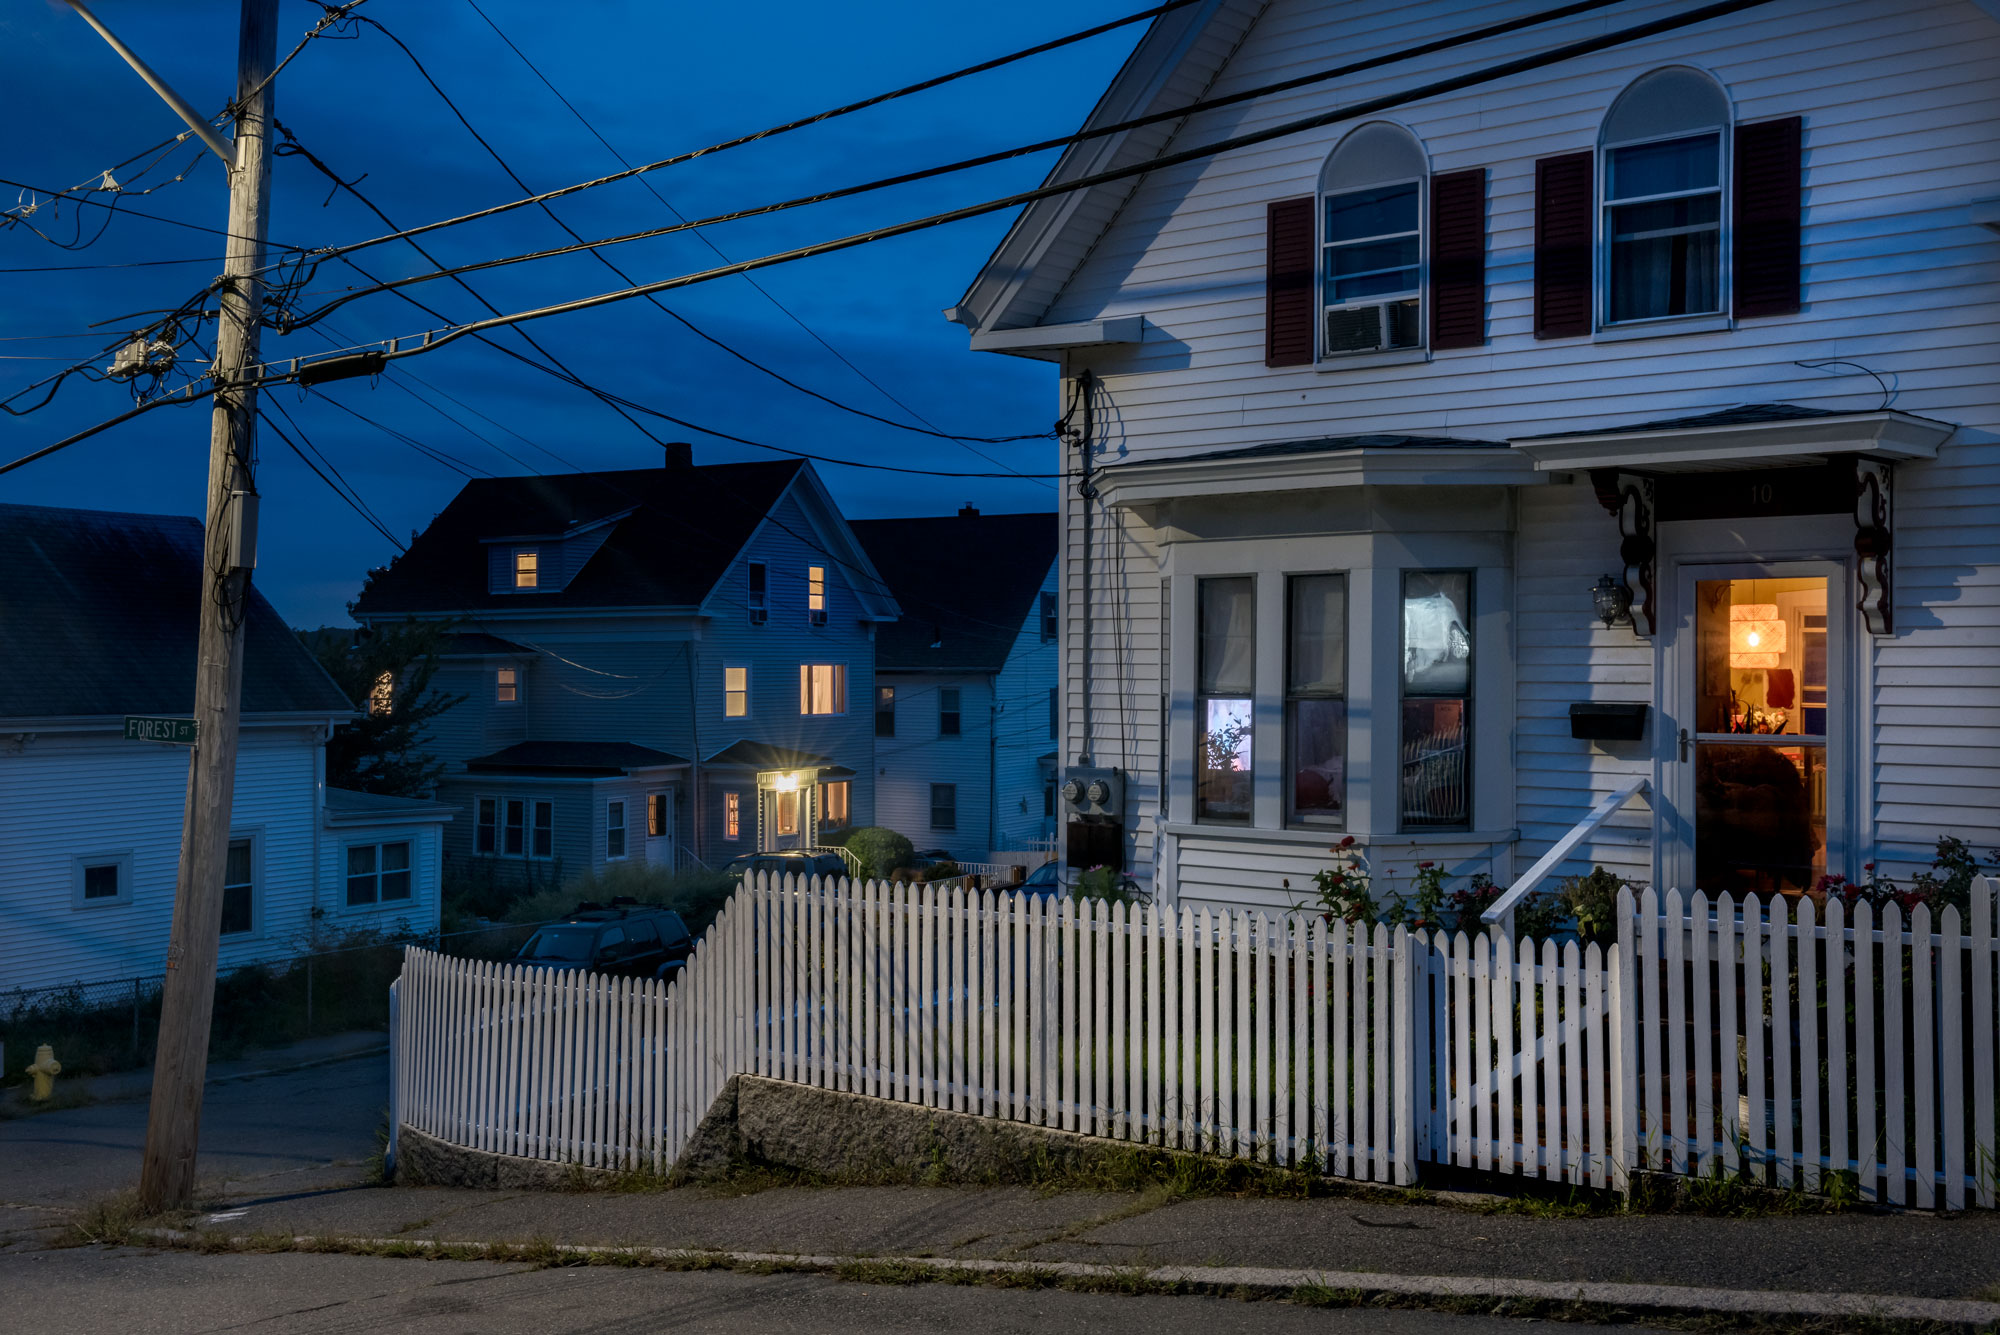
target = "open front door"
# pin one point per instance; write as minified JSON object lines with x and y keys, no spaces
{"x":1754,"y":752}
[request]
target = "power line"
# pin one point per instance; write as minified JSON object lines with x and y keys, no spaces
{"x":932,"y":427}
{"x":134,"y":213}
{"x":1002,"y":155}
{"x":129,"y":264}
{"x":773,"y":131}
{"x":343,"y":489}
{"x":433,"y":339}
{"x":577,"y":237}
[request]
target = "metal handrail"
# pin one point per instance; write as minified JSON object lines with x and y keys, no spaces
{"x":1503,"y":907}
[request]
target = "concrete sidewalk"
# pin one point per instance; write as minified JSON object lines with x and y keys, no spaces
{"x":1880,"y":1264}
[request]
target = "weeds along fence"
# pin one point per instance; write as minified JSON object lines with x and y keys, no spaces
{"x":1288,"y":1040}
{"x":1743,"y":1041}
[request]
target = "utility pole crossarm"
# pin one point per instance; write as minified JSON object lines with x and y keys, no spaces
{"x":202,"y":128}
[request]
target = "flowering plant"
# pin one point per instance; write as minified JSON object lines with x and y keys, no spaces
{"x":1344,"y":890}
{"x":1947,"y":883}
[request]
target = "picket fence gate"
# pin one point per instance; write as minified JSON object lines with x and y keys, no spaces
{"x":1710,"y":1039}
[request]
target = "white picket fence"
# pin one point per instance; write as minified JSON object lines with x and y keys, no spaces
{"x":1711,"y":1039}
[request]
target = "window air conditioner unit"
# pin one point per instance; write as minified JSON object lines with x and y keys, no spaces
{"x":1374,"y":327}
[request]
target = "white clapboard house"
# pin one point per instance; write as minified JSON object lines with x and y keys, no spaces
{"x":1618,"y":425}
{"x":965,"y":680}
{"x":98,"y":617}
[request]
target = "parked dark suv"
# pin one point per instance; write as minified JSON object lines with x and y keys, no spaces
{"x":788,"y":862}
{"x":623,"y":937}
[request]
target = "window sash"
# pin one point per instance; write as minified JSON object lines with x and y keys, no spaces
{"x":1050,"y":625}
{"x":1660,"y":273}
{"x":614,"y":829}
{"x":486,"y":829}
{"x":835,"y":802}
{"x":732,"y":816}
{"x":239,"y":888}
{"x":544,"y":845}
{"x":944,"y":806}
{"x":816,"y":592}
{"x":362,"y":888}
{"x":1434,"y":737}
{"x":736,"y":692}
{"x":1316,"y":616}
{"x":822,"y":688}
{"x":950,"y":716}
{"x":95,"y":870}
{"x":885,"y":711}
{"x":1226,"y":677}
{"x":506,"y":686}
{"x":527,"y":570}
{"x":656,"y":815}
{"x":512,"y":845}
{"x":395,"y":862}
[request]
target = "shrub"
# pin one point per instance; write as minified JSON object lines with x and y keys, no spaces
{"x":943,"y":871}
{"x":881,"y":850}
{"x":1102,"y":883}
{"x":697,"y":895}
{"x":1592,"y":899}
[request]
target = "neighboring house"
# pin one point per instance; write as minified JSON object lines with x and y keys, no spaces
{"x":97,"y":622}
{"x":965,"y":683}
{"x":1705,"y":319}
{"x":660,"y":665}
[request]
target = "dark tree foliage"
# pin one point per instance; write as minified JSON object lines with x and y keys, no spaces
{"x":387,"y":675}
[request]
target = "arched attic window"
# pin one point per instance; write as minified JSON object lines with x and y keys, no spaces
{"x":1372,"y":242}
{"x":1662,"y":149}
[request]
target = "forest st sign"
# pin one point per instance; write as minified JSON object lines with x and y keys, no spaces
{"x":178,"y":731}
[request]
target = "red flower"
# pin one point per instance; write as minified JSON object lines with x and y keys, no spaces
{"x":1425,"y":866}
{"x":1868,"y":866}
{"x":1347,"y":842}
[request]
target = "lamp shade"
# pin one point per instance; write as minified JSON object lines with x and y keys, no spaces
{"x":1756,"y":635}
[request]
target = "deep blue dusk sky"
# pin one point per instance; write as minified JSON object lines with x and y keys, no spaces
{"x":655,"y":79}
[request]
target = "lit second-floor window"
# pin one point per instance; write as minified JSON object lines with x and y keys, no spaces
{"x":760,"y":593}
{"x":382,"y":695}
{"x":527,"y":568}
{"x":736,"y":692}
{"x":1371,"y":242}
{"x":1663,"y":176}
{"x":822,"y":688}
{"x":816,"y":594}
{"x":507,"y":686}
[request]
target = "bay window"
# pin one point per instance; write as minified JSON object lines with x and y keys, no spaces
{"x":1224,"y":707}
{"x":1316,"y":699}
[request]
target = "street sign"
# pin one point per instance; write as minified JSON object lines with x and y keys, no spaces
{"x":178,"y":731}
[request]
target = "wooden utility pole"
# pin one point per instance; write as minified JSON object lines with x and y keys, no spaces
{"x":173,"y":1124}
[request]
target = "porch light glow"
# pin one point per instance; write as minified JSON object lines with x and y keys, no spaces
{"x":1756,"y":635}
{"x":785,"y":783}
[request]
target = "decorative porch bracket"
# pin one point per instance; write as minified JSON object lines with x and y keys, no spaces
{"x":1630,"y":497}
{"x":1872,"y":540}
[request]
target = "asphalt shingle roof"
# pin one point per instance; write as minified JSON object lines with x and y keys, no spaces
{"x":684,"y":527}
{"x":98,"y":616}
{"x":966,"y":583}
{"x":589,"y":758}
{"x":1747,"y":414}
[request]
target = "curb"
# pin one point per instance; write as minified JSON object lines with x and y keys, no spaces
{"x":1245,"y":1281}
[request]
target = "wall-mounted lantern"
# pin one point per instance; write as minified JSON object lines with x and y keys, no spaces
{"x":1613,"y":602}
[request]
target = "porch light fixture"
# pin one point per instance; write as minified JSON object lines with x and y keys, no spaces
{"x":1613,"y":601}
{"x":785,"y":783}
{"x":1756,"y":635}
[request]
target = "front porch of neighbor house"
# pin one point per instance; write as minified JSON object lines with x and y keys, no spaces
{"x":1456,"y":651}
{"x":762,"y":798}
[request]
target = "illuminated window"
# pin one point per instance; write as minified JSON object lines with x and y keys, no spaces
{"x":382,"y":695}
{"x":816,"y":594}
{"x":736,"y":692}
{"x":822,"y":688}
{"x":785,"y":811}
{"x":732,"y":816}
{"x":614,"y":830}
{"x":507,"y":685}
{"x":527,"y":569}
{"x":885,"y":711}
{"x":656,"y":814}
{"x":834,"y":810}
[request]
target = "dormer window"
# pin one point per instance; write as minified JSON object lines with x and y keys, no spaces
{"x":816,"y":594}
{"x":527,"y":568}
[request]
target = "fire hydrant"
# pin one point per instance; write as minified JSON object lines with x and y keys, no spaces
{"x":44,"y":1069}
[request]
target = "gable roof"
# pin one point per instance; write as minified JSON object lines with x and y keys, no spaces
{"x":575,"y":759}
{"x":966,"y":583}
{"x":1174,"y":63}
{"x":99,"y":616}
{"x":674,"y":531}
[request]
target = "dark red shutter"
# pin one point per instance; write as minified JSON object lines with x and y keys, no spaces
{"x":1563,"y":229}
{"x":1288,"y":283}
{"x":1458,"y":259}
{"x":1770,"y":193}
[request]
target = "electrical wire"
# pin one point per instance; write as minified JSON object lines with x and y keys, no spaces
{"x":343,"y":489}
{"x":674,"y":315}
{"x":129,"y":264}
{"x":787,"y":127}
{"x":434,"y":339}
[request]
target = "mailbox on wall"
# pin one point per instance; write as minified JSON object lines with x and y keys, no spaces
{"x":1607,"y":722}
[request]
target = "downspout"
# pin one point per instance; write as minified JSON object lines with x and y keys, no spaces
{"x":993,"y":711}
{"x":1086,"y":491}
{"x":320,"y":735}
{"x":694,"y":759}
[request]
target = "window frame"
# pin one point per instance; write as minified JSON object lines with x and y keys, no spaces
{"x":742,"y":691}
{"x":533,"y":570}
{"x":757,"y":575}
{"x":1601,"y":296}
{"x":950,"y":791}
{"x":82,"y":862}
{"x":1051,"y":620}
{"x":1323,"y":280}
{"x":615,"y":823}
{"x":732,"y":815}
{"x":816,"y":595}
{"x":827,"y":819}
{"x":254,"y":839}
{"x":1467,"y":698}
{"x":507,"y":686}
{"x":1290,"y":697}
{"x":839,"y":683}
{"x":885,"y":695}
{"x":951,"y":709}
{"x":483,"y":829}
{"x":513,"y":831}
{"x":377,"y":875}
{"x":1202,"y":699}
{"x":659,"y":814}
{"x":536,"y":828}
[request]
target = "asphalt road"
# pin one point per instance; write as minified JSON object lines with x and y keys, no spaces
{"x":177,"y":1293}
{"x":289,"y":1132}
